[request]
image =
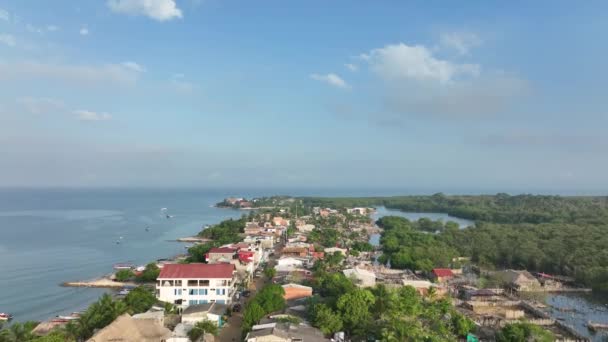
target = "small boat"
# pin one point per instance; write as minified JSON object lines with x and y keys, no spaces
{"x":597,"y":326}
{"x":5,"y":316}
{"x":124,"y":292}
{"x":67,"y":318}
{"x":123,"y":266}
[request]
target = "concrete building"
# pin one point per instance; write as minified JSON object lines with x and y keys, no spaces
{"x":286,"y":332}
{"x":220,"y":255}
{"x":191,"y":284}
{"x":204,"y":312}
{"x":361,"y":277}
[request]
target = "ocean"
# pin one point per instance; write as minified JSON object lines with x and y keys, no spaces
{"x":48,"y":237}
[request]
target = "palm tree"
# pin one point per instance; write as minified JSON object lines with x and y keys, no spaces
{"x":202,"y":328}
{"x":18,"y":332}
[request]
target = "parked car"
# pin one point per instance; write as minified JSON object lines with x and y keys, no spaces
{"x":236,"y":308}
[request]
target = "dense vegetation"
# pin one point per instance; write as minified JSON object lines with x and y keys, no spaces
{"x":500,"y":208}
{"x":408,"y":248}
{"x":268,"y":299}
{"x":226,"y":231}
{"x":524,"y":332}
{"x":381,"y":313}
{"x":553,"y":234}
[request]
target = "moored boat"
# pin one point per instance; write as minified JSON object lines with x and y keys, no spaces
{"x":5,"y":316}
{"x":597,"y":326}
{"x":123,"y":266}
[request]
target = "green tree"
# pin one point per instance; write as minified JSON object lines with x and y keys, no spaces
{"x":150,"y":273}
{"x":326,"y":319}
{"x":124,"y":275}
{"x":139,"y":300}
{"x":270,"y":272}
{"x":202,"y":328}
{"x":253,"y":313}
{"x":354,"y":309}
{"x":18,"y":332}
{"x":524,"y":332}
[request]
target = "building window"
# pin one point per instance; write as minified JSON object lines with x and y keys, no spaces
{"x":202,"y":292}
{"x":192,"y":302}
{"x":178,"y":283}
{"x":193,"y":292}
{"x":177,"y":292}
{"x":204,"y":283}
{"x":192,"y":282}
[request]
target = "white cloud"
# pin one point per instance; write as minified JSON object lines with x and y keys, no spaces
{"x":331,"y":79}
{"x":134,"y":66}
{"x":41,"y":105}
{"x":33,"y":29}
{"x":77,"y":74}
{"x":87,"y":115}
{"x":414,"y":82}
{"x":401,"y":61}
{"x":7,"y":39}
{"x":351,"y":67}
{"x":52,"y":28}
{"x":462,"y":42}
{"x":160,"y":10}
{"x":84,"y":31}
{"x":179,"y":83}
{"x":4,"y":15}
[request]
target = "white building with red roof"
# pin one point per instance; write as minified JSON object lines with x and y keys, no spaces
{"x":190,"y":284}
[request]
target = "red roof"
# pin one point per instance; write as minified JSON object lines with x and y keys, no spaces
{"x":246,"y":256}
{"x":443,"y":272}
{"x":221,"y":250}
{"x":196,"y":271}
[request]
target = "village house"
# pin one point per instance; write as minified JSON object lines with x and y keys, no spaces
{"x":295,"y":251}
{"x":285,"y":332}
{"x":520,"y":280}
{"x":204,"y":312}
{"x":296,"y":291}
{"x":266,"y":242}
{"x":359,"y":211}
{"x":441,"y":275}
{"x":288,"y":264}
{"x":220,"y":255}
{"x":252,"y":228}
{"x":361,"y":276}
{"x":191,"y":284}
{"x":279,"y":221}
{"x":305,"y":228}
{"x":331,"y":250}
{"x":421,"y":286}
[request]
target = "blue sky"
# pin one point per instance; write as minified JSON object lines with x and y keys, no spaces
{"x":475,"y":96}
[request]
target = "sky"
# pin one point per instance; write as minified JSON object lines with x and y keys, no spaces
{"x":474,"y":96}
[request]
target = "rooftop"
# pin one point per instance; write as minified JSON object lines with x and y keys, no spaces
{"x":222,"y":250}
{"x":443,"y":272}
{"x":196,"y":271}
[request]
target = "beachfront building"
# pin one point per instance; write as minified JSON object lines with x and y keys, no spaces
{"x":191,"y":284}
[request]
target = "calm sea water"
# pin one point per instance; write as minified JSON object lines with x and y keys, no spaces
{"x":49,"y":237}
